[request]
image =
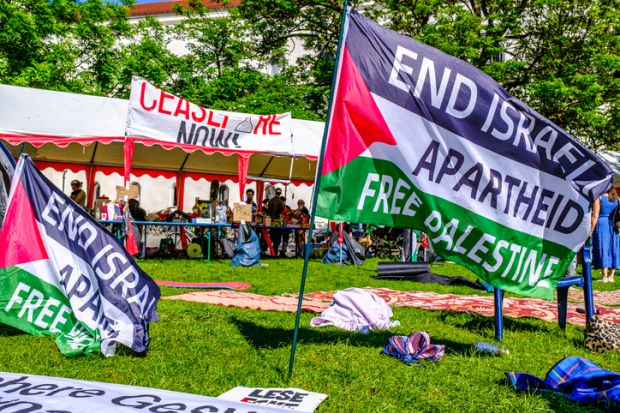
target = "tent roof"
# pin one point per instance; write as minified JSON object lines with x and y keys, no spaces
{"x":70,"y":128}
{"x":612,"y":158}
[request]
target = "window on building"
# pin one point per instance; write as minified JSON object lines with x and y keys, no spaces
{"x":270,"y":191}
{"x":500,"y":57}
{"x":96,"y":190}
{"x":174,"y":196}
{"x":214,"y":192}
{"x":223,"y":194}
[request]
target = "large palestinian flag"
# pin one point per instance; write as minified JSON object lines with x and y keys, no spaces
{"x":64,"y":275}
{"x":419,"y":139}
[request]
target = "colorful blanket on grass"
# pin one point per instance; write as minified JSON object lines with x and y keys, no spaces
{"x":479,"y":304}
{"x":578,"y":379}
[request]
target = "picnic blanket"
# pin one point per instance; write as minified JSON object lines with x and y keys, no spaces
{"x":234,"y":285}
{"x":600,"y":297}
{"x":480,"y":304}
{"x":250,"y":301}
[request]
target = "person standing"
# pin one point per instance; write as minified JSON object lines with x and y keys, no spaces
{"x":275,"y":207}
{"x":302,"y":215}
{"x":249,"y":200}
{"x":605,"y":240}
{"x":77,"y":193}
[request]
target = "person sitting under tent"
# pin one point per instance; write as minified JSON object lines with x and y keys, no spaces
{"x":249,"y":199}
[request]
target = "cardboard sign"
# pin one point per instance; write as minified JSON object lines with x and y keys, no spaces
{"x":242,"y":212}
{"x":132,"y":192}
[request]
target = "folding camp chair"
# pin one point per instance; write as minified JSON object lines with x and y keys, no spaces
{"x":584,"y":281}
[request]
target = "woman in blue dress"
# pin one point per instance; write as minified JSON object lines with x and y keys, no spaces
{"x":605,"y":241}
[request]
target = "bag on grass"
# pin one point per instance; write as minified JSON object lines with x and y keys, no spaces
{"x":247,"y":250}
{"x":602,"y":335}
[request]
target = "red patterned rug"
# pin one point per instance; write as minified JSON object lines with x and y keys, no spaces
{"x":600,"y":297}
{"x":251,"y":301}
{"x":319,"y":301}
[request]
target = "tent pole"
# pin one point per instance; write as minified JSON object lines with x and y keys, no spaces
{"x":90,"y":179}
{"x":315,"y":191}
{"x":128,"y":148}
{"x":181,"y":191}
{"x":243,"y":163}
{"x":290,"y":176}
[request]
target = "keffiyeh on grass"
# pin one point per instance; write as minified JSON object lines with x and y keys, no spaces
{"x":412,"y":348}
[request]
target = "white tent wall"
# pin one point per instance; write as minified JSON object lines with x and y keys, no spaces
{"x":57,"y":179}
{"x":613,"y":160}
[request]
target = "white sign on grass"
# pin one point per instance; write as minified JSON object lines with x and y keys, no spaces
{"x":291,"y":398}
{"x":24,"y":393}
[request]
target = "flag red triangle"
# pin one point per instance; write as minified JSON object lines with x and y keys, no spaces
{"x":356,"y":121}
{"x":20,"y":233}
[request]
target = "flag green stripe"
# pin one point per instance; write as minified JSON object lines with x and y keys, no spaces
{"x":37,"y":307}
{"x":493,"y":251}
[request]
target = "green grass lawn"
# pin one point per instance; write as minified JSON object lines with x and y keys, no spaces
{"x":205,"y":349}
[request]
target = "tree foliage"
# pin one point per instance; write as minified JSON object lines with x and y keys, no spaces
{"x":62,"y":44}
{"x":559,"y":56}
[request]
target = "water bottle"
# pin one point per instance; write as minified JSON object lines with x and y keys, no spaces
{"x":486,"y":348}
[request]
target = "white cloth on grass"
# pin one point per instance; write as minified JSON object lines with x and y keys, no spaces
{"x":354,"y":309}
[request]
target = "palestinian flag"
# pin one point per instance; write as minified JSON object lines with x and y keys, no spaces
{"x":62,"y":274}
{"x":419,"y":139}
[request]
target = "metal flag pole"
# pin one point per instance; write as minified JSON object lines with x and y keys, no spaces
{"x":315,"y":191}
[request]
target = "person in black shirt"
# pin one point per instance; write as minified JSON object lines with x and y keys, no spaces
{"x":249,"y":199}
{"x":275,"y":207}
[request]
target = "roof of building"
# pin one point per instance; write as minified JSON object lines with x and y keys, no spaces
{"x":167,"y":7}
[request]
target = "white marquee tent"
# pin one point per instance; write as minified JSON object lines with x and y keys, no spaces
{"x":87,"y":133}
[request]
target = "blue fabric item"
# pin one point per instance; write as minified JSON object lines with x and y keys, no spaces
{"x":247,"y":250}
{"x":605,"y":241}
{"x":333,"y":255}
{"x":578,"y":379}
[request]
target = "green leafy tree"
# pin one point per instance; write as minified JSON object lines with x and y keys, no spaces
{"x":146,"y":53}
{"x":62,"y":44}
{"x":559,"y":56}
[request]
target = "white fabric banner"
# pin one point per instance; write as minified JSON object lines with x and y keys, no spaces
{"x":23,"y":393}
{"x":159,"y":115}
{"x":290,"y":398}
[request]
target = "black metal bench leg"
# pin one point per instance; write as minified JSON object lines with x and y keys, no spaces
{"x":562,"y":306}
